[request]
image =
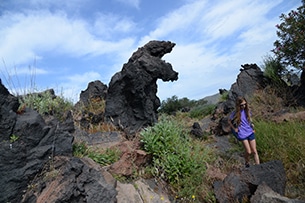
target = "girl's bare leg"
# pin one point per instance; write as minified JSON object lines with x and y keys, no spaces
{"x":247,"y":150}
{"x":252,"y":144}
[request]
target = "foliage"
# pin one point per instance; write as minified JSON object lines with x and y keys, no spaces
{"x":290,"y":47}
{"x":105,"y":157}
{"x":224,"y":96}
{"x":13,"y":138}
{"x":267,"y":101}
{"x":173,"y":104}
{"x":94,"y":109}
{"x":201,"y":111}
{"x":177,"y":158}
{"x":284,"y":142}
{"x":108,"y":157}
{"x":46,"y":103}
{"x":274,"y":70}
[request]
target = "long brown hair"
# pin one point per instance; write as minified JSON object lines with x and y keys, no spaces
{"x":237,"y":116}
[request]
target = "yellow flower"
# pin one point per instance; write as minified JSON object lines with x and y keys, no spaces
{"x":193,"y":196}
{"x":162,"y":198}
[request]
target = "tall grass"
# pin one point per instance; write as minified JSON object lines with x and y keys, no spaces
{"x":284,"y":142}
{"x":178,"y":159}
{"x":19,"y":86}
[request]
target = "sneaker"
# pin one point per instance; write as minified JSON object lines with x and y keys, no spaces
{"x":247,"y":165}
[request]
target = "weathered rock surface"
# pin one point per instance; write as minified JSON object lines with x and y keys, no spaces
{"x":249,"y":80}
{"x":70,"y":179}
{"x":141,"y":192}
{"x":197,"y":130}
{"x":27,"y":144}
{"x":90,"y":107}
{"x":131,"y":99}
{"x":132,"y":159}
{"x":8,"y":108}
{"x":243,"y":183}
{"x":95,"y":90}
{"x":265,"y":194}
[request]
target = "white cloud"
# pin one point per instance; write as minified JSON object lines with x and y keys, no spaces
{"x":26,"y":36}
{"x":76,"y":83}
{"x":109,"y":26}
{"x":176,"y":22}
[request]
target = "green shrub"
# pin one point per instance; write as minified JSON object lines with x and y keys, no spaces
{"x":176,"y":157}
{"x":46,"y":103}
{"x":273,"y":70}
{"x":202,"y":111}
{"x":173,"y":104}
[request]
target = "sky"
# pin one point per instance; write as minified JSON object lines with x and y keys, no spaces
{"x":64,"y":45}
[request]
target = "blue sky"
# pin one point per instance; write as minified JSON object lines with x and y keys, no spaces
{"x":64,"y":45}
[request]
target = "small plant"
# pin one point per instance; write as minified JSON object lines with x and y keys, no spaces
{"x":80,"y":149}
{"x":224,"y":96}
{"x":104,"y":157}
{"x":13,"y":138}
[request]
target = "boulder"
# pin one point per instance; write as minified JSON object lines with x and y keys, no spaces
{"x":71,"y":179}
{"x":8,"y":107}
{"x":242,"y":184}
{"x":89,"y":110}
{"x":249,"y":80}
{"x":27,"y":144}
{"x":131,"y":101}
{"x":132,"y":159}
{"x":95,"y":90}
{"x":265,"y":194}
{"x":197,"y":130}
{"x":142,"y":191}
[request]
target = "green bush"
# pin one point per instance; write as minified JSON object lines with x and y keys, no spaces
{"x":46,"y":103}
{"x":273,"y":70}
{"x":177,"y":158}
{"x":202,"y":111}
{"x":173,"y":104}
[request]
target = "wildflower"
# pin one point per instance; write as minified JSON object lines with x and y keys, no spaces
{"x":193,"y":196}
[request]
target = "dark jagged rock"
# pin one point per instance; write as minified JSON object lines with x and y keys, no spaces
{"x":8,"y":108}
{"x":197,"y":130}
{"x":95,"y":90}
{"x":70,"y":179}
{"x":265,"y":194}
{"x":27,"y":143}
{"x":91,"y":102}
{"x":243,"y":184}
{"x":249,"y":80}
{"x":21,"y":160}
{"x":131,"y":99}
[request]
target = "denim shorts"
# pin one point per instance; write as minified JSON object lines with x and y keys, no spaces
{"x":250,"y":137}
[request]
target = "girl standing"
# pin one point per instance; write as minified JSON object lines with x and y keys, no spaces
{"x":240,"y":122}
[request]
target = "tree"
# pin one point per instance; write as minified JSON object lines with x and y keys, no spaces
{"x":290,"y":47}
